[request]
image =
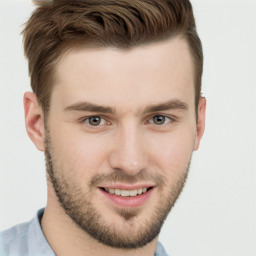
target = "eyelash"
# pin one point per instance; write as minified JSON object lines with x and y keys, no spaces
{"x":86,"y":120}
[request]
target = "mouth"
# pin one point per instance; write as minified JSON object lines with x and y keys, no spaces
{"x":124,"y":197}
{"x":126,"y":192}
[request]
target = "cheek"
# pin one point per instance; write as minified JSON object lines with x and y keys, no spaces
{"x":77,"y":153}
{"x":173,"y":151}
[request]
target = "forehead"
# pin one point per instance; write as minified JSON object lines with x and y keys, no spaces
{"x":147,"y":73}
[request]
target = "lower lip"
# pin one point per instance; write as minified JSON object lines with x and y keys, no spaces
{"x":129,"y":201}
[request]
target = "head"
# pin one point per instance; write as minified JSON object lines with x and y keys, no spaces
{"x":63,"y":25}
{"x":117,"y":109}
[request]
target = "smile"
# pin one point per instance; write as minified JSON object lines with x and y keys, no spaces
{"x":125,"y":192}
{"x":123,"y":196}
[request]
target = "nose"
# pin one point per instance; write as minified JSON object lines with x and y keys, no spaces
{"x":129,"y":150}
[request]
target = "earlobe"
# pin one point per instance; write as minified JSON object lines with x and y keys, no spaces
{"x":200,"y":122}
{"x":34,"y":120}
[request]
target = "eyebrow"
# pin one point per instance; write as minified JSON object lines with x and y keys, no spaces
{"x":86,"y":106}
{"x":169,"y":105}
{"x":173,"y":104}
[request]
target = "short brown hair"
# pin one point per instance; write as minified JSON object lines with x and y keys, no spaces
{"x":54,"y":28}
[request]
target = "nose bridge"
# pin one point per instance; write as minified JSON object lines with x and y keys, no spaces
{"x":128,"y":153}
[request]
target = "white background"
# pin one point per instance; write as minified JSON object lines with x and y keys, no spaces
{"x":216,"y":213}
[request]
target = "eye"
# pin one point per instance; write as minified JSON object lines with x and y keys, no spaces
{"x":160,"y":120}
{"x":95,"y":121}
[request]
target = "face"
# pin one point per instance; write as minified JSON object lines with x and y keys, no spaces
{"x":119,"y":138}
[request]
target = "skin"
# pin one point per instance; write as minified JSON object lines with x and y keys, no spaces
{"x":129,"y":82}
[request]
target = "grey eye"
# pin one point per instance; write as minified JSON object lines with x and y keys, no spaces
{"x":160,"y":120}
{"x":94,"y":120}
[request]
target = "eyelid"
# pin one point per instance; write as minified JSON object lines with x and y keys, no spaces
{"x":86,"y":118}
{"x":171,"y":118}
{"x":101,"y":120}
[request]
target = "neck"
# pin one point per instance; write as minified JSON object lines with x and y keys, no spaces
{"x":66,"y":238}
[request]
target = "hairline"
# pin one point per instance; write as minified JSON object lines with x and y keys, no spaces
{"x":76,"y":45}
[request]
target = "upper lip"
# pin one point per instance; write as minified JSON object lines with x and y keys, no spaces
{"x":127,"y":186}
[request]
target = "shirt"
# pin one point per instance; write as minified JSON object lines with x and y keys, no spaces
{"x":27,"y":239}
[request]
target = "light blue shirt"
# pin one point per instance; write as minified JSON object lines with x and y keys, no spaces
{"x":27,"y":239}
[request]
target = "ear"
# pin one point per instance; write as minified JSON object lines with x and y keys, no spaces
{"x":34,"y":120}
{"x":200,"y":122}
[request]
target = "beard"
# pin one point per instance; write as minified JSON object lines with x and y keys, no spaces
{"x":79,"y":206}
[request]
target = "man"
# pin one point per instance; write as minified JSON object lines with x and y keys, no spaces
{"x":117,"y":110}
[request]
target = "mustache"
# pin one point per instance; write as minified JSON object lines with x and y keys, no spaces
{"x":120,"y":176}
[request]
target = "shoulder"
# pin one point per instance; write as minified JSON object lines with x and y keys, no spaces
{"x":160,"y":251}
{"x":13,"y":240}
{"x":26,"y":239}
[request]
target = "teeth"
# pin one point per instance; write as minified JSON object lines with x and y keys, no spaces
{"x":133,"y":192}
{"x":117,"y":191}
{"x":140,"y":191}
{"x":111,"y":191}
{"x":126,"y":193}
